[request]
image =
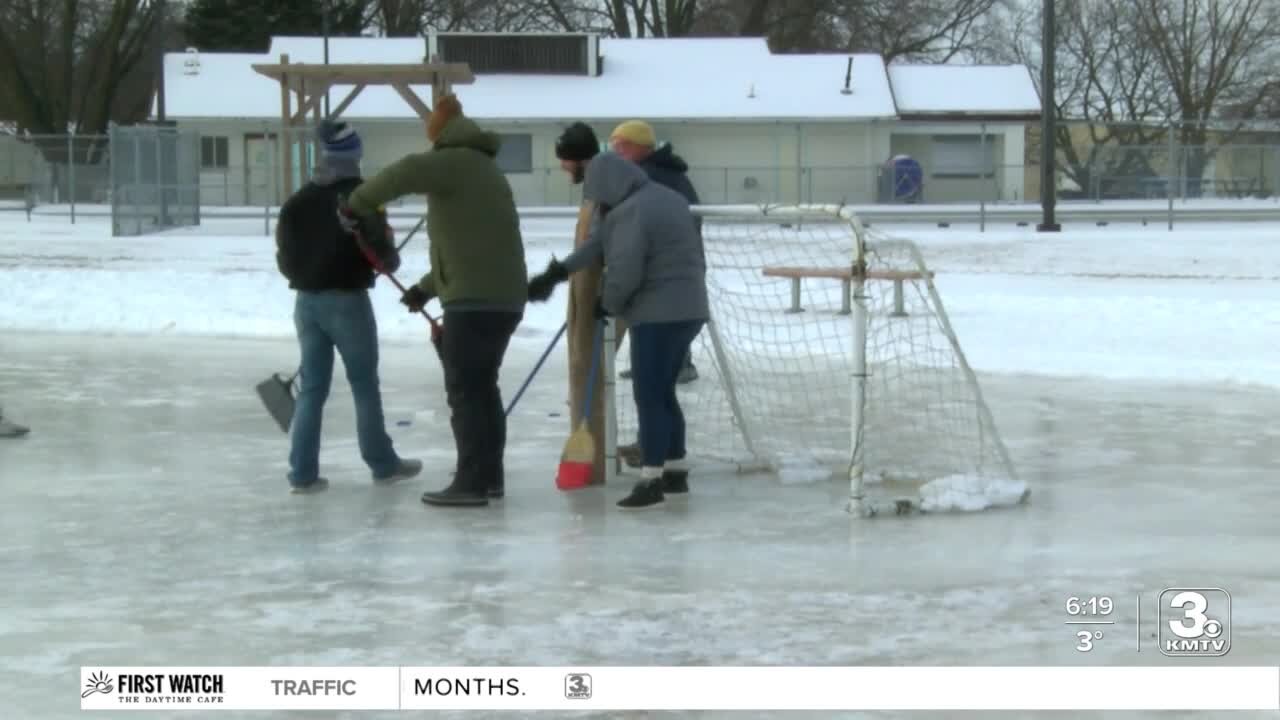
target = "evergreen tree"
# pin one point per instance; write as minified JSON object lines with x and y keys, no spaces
{"x":247,"y":25}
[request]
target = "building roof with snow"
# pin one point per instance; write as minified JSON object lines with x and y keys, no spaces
{"x":964,"y":91}
{"x":659,"y":79}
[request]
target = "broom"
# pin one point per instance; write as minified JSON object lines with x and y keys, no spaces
{"x":580,"y":449}
{"x":437,"y":332}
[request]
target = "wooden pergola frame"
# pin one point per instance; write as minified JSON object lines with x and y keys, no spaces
{"x":308,"y":84}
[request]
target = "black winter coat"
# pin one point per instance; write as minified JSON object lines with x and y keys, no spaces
{"x":665,"y":167}
{"x":312,"y":249}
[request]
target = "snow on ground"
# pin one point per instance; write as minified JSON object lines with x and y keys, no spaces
{"x":1198,"y":304}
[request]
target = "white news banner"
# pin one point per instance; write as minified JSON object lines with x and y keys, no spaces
{"x":680,"y":688}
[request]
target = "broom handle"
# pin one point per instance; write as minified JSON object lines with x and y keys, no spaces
{"x":597,"y":349}
{"x":377,"y":265}
{"x":545,"y":354}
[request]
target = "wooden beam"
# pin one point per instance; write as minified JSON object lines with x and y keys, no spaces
{"x":369,"y":74}
{"x":346,"y":102}
{"x":312,"y":101}
{"x":414,"y":101}
{"x":286,"y":138}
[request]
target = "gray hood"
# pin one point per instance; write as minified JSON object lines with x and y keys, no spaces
{"x":610,"y":179}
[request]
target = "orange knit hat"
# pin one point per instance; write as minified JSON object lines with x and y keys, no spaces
{"x":447,"y":109}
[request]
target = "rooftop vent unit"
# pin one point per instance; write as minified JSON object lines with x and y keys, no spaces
{"x":519,"y":53}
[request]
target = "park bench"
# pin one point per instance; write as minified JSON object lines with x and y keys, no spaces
{"x":845,"y":276}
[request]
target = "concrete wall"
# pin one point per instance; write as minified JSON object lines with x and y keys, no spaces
{"x":739,"y":163}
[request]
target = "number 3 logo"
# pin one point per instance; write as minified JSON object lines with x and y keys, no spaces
{"x":1193,"y":605}
{"x":576,"y":684}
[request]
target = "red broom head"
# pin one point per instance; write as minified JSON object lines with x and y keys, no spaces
{"x":573,"y":476}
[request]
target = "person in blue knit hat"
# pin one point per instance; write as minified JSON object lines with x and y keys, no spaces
{"x":332,"y":277}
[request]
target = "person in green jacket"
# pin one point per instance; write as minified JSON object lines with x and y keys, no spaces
{"x":478,"y":272}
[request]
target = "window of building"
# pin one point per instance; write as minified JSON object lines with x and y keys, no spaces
{"x":963,"y":156}
{"x":516,"y":153}
{"x":213,"y":153}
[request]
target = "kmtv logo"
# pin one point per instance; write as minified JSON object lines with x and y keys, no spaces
{"x":1195,"y":622}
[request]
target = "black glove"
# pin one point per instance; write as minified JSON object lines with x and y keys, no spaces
{"x":374,"y":235}
{"x":600,"y":312}
{"x":415,"y":298}
{"x":541,"y":286}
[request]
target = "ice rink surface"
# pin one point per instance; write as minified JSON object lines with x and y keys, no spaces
{"x":147,"y":521}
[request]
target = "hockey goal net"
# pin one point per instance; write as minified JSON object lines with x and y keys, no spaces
{"x":813,"y":368}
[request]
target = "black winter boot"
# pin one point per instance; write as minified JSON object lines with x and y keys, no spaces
{"x":645,"y":495}
{"x":675,"y":482}
{"x":454,"y":496}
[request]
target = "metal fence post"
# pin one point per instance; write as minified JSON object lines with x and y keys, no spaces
{"x":71,"y":172}
{"x":1172,"y":165}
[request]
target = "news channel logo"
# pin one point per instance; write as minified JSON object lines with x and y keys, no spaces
{"x":1195,"y":622}
{"x":577,"y":686}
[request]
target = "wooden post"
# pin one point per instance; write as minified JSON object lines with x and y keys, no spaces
{"x":303,"y":171}
{"x":286,"y":138}
{"x":316,"y":119}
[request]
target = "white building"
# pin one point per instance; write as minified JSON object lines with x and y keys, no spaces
{"x":754,"y":126}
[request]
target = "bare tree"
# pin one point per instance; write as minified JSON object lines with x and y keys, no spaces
{"x":916,"y":30}
{"x":68,"y":60}
{"x":1213,"y":55}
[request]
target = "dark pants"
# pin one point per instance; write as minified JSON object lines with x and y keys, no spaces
{"x":472,"y":349}
{"x":658,"y":351}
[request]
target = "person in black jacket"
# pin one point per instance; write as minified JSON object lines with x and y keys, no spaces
{"x":636,"y":141}
{"x":332,"y":276}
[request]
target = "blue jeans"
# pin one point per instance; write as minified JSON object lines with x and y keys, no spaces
{"x":658,"y":351}
{"x":341,"y":319}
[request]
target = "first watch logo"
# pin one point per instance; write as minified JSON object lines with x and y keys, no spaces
{"x":99,"y":682}
{"x":174,"y":689}
{"x":577,"y":686}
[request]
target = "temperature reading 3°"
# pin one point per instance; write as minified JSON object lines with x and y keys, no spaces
{"x":1089,"y":614}
{"x":1086,"y":639}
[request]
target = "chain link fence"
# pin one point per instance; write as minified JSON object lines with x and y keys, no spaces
{"x":148,"y":178}
{"x":155,"y":179}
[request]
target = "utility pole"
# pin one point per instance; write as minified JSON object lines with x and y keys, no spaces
{"x":161,"y":6}
{"x":1048,"y":123}
{"x":324,"y":28}
{"x":162,"y":173}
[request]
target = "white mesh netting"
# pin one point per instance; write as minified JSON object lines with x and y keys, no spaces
{"x":927,"y":438}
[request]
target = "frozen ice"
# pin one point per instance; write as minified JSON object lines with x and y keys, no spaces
{"x":146,"y":519}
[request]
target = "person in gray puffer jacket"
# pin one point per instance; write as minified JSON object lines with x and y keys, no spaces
{"x":656,"y":279}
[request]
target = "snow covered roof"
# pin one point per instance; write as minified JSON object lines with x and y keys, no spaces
{"x":978,"y":90}
{"x":659,"y":79}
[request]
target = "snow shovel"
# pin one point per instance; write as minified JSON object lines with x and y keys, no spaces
{"x":277,"y":391}
{"x":277,"y":395}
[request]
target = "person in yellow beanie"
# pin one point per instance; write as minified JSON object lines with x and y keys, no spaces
{"x":636,"y":141}
{"x":477,"y":271}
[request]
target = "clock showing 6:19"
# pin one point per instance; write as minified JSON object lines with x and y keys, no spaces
{"x":1089,"y":606}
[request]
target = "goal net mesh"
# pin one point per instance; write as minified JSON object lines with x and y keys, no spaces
{"x":776,"y":384}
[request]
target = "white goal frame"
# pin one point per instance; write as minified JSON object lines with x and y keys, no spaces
{"x":857,"y":502}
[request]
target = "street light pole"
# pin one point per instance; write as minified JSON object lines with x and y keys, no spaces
{"x":1048,"y":123}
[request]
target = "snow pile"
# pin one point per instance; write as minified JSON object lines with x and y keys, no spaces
{"x":970,"y":493}
{"x":800,"y":469}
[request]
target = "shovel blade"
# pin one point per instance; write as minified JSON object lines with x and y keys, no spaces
{"x":277,"y":396}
